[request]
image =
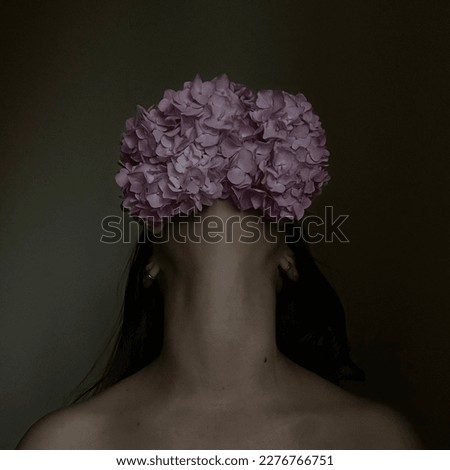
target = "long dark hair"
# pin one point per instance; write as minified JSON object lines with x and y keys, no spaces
{"x":310,"y":321}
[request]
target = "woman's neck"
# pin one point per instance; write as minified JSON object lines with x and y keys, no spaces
{"x":219,"y":332}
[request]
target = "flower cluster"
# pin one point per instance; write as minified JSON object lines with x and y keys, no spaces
{"x":216,"y":140}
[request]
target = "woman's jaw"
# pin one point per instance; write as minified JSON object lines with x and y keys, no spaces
{"x":219,"y":239}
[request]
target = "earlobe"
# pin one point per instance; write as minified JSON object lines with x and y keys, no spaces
{"x":287,"y":264}
{"x":151,"y":273}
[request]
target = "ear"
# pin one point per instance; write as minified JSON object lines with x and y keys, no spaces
{"x":287,"y":264}
{"x":151,"y":269}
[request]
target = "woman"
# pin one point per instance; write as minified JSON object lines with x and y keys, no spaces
{"x":231,"y":337}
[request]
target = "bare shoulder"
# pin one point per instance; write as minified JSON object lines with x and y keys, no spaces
{"x":74,"y":427}
{"x":349,"y":421}
{"x":377,"y":426}
{"x":87,"y":425}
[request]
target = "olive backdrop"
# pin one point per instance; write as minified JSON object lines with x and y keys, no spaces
{"x":375,"y":73}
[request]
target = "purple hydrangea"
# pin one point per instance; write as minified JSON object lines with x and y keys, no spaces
{"x":216,"y":140}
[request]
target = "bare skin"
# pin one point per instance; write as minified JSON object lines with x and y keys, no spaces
{"x":220,"y":381}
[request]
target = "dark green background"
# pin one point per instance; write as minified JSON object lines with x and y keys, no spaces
{"x":375,"y":72}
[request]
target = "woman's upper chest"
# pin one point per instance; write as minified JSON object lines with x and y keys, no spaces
{"x":242,"y":429}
